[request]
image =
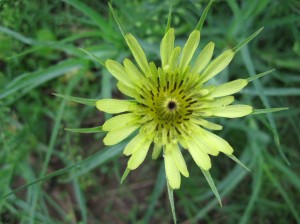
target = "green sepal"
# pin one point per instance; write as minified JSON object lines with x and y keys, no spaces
{"x":203,"y":16}
{"x":169,"y":19}
{"x":95,"y":57}
{"x":85,"y":130}
{"x":121,"y":28}
{"x":238,"y":162}
{"x":212,"y":185}
{"x":171,"y":200}
{"x":89,"y":102}
{"x":246,"y":41}
{"x":250,"y":79}
{"x":268,"y":110}
{"x":125,"y":174}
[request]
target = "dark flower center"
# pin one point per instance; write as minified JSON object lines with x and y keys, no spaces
{"x":172,"y":105}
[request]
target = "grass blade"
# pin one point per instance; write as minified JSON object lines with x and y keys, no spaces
{"x":258,"y":86}
{"x":283,"y":193}
{"x":26,"y":82}
{"x":79,"y":168}
{"x":156,"y":193}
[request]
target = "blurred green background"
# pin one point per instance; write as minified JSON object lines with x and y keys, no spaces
{"x":40,"y":55}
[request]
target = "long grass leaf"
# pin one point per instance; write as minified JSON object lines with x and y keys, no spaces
{"x":283,"y":193}
{"x":26,"y":82}
{"x":256,"y":188}
{"x":79,"y":168}
{"x":50,"y":150}
{"x":250,"y":67}
{"x":91,"y":13}
{"x":80,"y":198}
{"x":157,"y":191}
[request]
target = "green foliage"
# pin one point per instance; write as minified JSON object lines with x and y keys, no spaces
{"x":64,"y":177}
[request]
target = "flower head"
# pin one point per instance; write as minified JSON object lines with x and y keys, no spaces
{"x":170,"y":105}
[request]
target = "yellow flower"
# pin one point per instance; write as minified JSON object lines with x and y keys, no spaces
{"x":171,"y":104}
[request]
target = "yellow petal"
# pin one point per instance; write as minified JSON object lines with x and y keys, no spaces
{"x":229,"y":88}
{"x":204,"y":58}
{"x":153,"y":70}
{"x":150,"y":126}
{"x":189,"y":49}
{"x":174,"y":58}
{"x":137,"y":52}
{"x":217,"y":65}
{"x":139,"y":155}
{"x":164,"y":136}
{"x":132,"y":71}
{"x":113,"y":106}
{"x":118,"y":71}
{"x":128,"y":91}
{"x":182,"y":141}
{"x":218,"y":102}
{"x":215,"y":142}
{"x":204,"y":147}
{"x":201,"y":158}
{"x":166,"y":47}
{"x":119,"y":121}
{"x":116,"y":136}
{"x":172,"y":172}
{"x":134,"y":144}
{"x":222,"y":101}
{"x":231,"y":111}
{"x":179,"y":160}
{"x":207,"y":124}
{"x":156,"y":150}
